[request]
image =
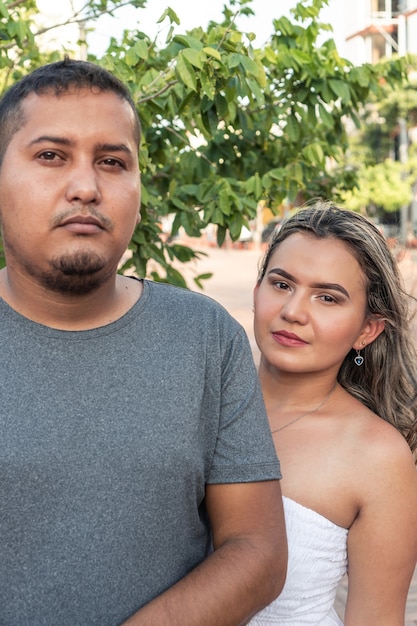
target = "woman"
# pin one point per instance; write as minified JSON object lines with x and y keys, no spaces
{"x":338,"y":372}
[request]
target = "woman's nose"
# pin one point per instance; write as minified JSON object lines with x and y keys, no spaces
{"x":295,"y":309}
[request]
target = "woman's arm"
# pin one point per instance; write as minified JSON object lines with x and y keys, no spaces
{"x":382,"y":542}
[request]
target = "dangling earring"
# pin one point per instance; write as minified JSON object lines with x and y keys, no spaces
{"x":359,"y":358}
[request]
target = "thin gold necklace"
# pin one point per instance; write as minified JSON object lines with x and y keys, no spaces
{"x":322,"y":403}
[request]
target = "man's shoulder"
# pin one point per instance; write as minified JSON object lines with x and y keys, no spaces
{"x":183,"y":296}
{"x":191,"y":307}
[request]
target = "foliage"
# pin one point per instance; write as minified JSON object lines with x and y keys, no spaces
{"x":21,"y":34}
{"x":227,"y":125}
{"x":385,"y":183}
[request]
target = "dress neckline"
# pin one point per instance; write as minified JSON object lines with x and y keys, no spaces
{"x":313,"y":513}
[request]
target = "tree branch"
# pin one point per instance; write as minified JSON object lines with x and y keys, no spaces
{"x":15,"y":4}
{"x":151,"y":96}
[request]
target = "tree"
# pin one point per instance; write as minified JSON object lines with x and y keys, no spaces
{"x":383,"y":185}
{"x":385,"y":178}
{"x":227,"y":125}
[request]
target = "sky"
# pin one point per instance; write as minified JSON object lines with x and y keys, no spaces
{"x":146,"y":19}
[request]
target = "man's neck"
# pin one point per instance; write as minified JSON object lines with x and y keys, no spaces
{"x":63,"y":311}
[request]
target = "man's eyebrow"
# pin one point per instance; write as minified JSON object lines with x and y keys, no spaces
{"x":100,"y":147}
{"x":52,"y":139}
{"x":113,"y":147}
{"x":330,"y":286}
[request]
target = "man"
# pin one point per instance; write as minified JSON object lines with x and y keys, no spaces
{"x":138,"y":478}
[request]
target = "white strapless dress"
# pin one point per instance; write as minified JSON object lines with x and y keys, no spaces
{"x":317,"y":561}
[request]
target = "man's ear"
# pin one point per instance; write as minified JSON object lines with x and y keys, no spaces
{"x":372,"y":328}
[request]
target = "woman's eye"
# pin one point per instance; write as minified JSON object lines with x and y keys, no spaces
{"x":328,"y":298}
{"x":279,"y":284}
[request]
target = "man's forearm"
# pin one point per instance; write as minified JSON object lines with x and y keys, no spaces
{"x":226,"y":589}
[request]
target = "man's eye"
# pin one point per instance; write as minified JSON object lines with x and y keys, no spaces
{"x":112,"y":162}
{"x":48,"y":155}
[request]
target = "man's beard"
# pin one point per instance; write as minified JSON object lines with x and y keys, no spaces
{"x":72,"y":274}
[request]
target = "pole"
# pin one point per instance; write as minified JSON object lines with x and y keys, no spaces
{"x":403,"y":157}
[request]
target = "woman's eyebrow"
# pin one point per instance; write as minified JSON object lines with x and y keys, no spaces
{"x":281,"y":272}
{"x":330,"y":286}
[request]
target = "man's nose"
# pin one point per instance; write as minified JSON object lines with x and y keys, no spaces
{"x":83,"y":185}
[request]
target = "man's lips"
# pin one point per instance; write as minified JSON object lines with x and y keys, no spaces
{"x":285,"y":338}
{"x":83,"y":225}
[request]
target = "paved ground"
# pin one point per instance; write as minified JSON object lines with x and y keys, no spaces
{"x":234,"y":274}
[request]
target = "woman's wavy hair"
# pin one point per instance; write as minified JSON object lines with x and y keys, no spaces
{"x":387,"y":382}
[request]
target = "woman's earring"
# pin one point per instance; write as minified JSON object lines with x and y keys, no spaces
{"x":359,"y":358}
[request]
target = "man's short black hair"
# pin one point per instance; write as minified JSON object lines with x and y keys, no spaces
{"x":58,"y":78}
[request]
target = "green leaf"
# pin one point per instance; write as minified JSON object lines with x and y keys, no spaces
{"x":250,"y":66}
{"x":131,"y":57}
{"x":340,"y":89}
{"x":193,"y":56}
{"x":207,"y":86}
{"x":212,"y":52}
{"x":235,"y":60}
{"x":199,"y":279}
{"x":221,"y":106}
{"x":277,"y":173}
{"x":182,"y":253}
{"x":188,"y":41}
{"x":254,"y":186}
{"x":224,"y":202}
{"x":301,"y":57}
{"x":292,"y":129}
{"x":171,"y":14}
{"x":314,"y":154}
{"x":141,"y":49}
{"x":361,"y":75}
{"x":221,"y":235}
{"x":3,"y":10}
{"x":185,"y":72}
{"x":325,"y":116}
{"x":255,"y":90}
{"x":295,"y":172}
{"x":258,"y":190}
{"x":285,"y":25}
{"x":235,"y":226}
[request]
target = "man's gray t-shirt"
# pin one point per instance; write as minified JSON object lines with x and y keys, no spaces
{"x":108,"y":438}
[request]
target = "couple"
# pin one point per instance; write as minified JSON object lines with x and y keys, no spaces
{"x":140,"y":484}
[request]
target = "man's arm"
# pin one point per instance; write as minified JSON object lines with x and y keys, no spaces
{"x":245,"y":572}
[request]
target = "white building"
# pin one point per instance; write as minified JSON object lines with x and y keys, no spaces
{"x":379,"y":28}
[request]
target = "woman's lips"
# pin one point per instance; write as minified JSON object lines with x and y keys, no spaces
{"x":286,"y":338}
